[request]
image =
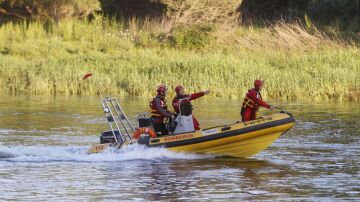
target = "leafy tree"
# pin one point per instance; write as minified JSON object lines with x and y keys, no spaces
{"x":47,"y":9}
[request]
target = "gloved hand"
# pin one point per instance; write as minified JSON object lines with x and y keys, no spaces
{"x":272,"y":107}
{"x":206,"y":92}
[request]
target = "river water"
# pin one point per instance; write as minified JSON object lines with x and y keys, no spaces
{"x":43,"y":143}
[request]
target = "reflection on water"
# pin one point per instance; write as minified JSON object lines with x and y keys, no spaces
{"x":43,"y":143}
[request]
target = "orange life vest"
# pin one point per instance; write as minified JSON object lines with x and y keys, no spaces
{"x":248,"y":102}
{"x":154,"y":113}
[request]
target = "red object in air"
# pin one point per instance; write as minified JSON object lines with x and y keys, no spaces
{"x":258,"y":83}
{"x":87,"y":75}
{"x":178,"y":89}
{"x":161,"y":89}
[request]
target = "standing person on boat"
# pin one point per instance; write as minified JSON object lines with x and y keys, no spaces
{"x":159,"y":111}
{"x":252,"y":101}
{"x":183,"y":101}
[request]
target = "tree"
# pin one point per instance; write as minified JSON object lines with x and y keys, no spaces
{"x":47,"y":9}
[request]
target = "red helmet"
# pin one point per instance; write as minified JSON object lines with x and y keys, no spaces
{"x":258,"y":83}
{"x":178,"y":89}
{"x":161,"y":89}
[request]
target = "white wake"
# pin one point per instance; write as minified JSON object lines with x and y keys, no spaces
{"x":41,"y":153}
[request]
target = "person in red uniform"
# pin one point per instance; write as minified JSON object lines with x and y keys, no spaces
{"x":159,"y":111}
{"x":253,"y":101}
{"x":182,"y":102}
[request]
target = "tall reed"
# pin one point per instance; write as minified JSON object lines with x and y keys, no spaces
{"x":133,"y":57}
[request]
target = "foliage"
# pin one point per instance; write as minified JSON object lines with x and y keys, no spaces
{"x":201,"y":11}
{"x":345,"y":14}
{"x":296,"y":63}
{"x":133,"y":8}
{"x":192,"y":37}
{"x":47,"y":9}
{"x":307,"y":22}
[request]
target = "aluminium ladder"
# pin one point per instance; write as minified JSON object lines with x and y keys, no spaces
{"x":118,"y":121}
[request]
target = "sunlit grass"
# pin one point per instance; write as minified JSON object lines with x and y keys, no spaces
{"x":133,"y":59}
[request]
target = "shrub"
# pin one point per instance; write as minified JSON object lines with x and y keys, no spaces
{"x":192,"y":37}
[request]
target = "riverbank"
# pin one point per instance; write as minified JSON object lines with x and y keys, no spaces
{"x":132,"y":58}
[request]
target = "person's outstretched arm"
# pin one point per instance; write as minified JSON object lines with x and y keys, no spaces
{"x":195,"y":96}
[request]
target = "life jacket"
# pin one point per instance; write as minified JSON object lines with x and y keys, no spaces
{"x":185,"y":106}
{"x":154,"y":112}
{"x":248,"y":102}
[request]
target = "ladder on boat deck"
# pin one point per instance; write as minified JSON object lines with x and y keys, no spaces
{"x":118,"y":122}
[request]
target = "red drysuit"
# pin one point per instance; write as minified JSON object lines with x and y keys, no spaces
{"x":186,"y":100}
{"x":251,"y":104}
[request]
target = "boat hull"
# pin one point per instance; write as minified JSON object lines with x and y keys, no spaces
{"x":241,"y":139}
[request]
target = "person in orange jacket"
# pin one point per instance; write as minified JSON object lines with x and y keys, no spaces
{"x":183,"y":101}
{"x":159,"y":111}
{"x":253,"y":101}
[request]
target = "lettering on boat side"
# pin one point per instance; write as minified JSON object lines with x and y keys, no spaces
{"x":99,"y":148}
{"x":209,"y":132}
{"x":179,"y":137}
{"x":257,"y":121}
{"x":155,"y":140}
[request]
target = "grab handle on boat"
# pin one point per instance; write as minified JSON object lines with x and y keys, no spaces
{"x":283,"y":111}
{"x":226,"y":128}
{"x":286,"y":112}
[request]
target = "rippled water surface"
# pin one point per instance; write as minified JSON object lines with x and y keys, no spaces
{"x":43,"y":143}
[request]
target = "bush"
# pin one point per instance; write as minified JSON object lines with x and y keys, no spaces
{"x":192,"y":37}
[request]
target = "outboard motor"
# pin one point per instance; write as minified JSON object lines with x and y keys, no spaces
{"x":108,"y":137}
{"x":184,"y":120}
{"x":120,"y":127}
{"x":144,"y":120}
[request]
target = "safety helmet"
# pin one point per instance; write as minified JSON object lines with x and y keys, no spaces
{"x":178,"y":89}
{"x":161,"y":89}
{"x":258,"y":83}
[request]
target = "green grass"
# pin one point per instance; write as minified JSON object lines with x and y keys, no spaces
{"x":133,"y":59}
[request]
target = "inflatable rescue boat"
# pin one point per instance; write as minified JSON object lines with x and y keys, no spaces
{"x":240,"y":139}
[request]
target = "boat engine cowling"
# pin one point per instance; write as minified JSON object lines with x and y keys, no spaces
{"x":108,"y":137}
{"x":144,"y":122}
